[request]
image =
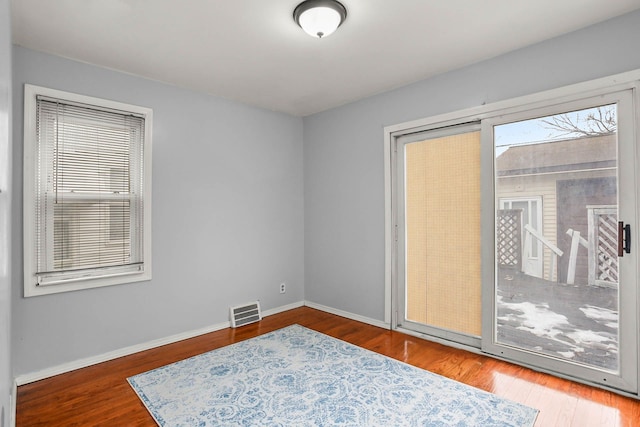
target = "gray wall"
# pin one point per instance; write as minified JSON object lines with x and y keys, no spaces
{"x":227,"y":219}
{"x":343,"y":151}
{"x":6,"y":378}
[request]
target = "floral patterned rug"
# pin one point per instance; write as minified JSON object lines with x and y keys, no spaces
{"x":298,"y":377}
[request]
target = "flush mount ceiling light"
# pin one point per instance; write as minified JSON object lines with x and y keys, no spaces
{"x":319,"y":18}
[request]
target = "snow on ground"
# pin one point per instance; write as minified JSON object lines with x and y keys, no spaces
{"x":542,"y":322}
{"x":601,"y":315}
{"x":537,"y":318}
{"x":589,"y":337}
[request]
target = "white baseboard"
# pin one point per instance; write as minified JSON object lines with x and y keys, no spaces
{"x":126,"y":351}
{"x":105,"y":357}
{"x":282,"y":308}
{"x":348,"y":315}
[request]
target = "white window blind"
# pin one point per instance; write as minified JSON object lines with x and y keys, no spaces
{"x":89,"y":213}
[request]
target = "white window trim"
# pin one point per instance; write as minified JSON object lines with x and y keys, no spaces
{"x":29,"y":173}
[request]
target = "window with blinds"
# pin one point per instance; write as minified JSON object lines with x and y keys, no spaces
{"x":88,"y":192}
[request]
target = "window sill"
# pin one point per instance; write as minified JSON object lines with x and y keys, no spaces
{"x":32,"y":290}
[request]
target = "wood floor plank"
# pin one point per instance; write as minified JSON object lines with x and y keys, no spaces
{"x":99,"y":395}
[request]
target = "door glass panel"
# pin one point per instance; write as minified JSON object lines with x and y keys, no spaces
{"x":556,"y":190}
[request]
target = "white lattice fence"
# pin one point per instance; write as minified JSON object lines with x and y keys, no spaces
{"x":509,"y":234}
{"x":603,"y":246}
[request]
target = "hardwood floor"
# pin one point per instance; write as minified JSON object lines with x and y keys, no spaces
{"x":100,"y":394}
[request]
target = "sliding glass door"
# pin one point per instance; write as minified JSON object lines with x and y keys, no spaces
{"x":564,"y":193}
{"x":513,"y":232}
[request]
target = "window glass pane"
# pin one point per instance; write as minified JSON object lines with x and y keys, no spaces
{"x":560,"y":296}
{"x":88,"y":192}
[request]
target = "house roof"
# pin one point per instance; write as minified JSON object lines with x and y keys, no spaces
{"x":594,"y":152}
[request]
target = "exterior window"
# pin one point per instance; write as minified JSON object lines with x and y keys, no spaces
{"x":87,"y":192}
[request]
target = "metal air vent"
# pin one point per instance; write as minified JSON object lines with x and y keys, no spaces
{"x":245,"y":314}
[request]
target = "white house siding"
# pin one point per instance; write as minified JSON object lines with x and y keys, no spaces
{"x":543,"y":185}
{"x":529,"y":187}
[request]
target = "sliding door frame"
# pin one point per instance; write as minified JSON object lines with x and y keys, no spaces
{"x":603,"y":86}
{"x":627,"y":379}
{"x":401,"y":321}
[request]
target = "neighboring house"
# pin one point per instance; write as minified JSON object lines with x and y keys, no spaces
{"x":557,"y":185}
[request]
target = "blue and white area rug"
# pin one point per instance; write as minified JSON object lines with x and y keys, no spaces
{"x":298,"y":377}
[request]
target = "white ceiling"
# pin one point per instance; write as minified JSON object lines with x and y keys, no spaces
{"x":253,"y":52}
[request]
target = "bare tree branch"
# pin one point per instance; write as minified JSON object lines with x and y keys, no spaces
{"x":602,"y":122}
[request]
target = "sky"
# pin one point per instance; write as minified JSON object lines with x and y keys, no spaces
{"x":535,"y":131}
